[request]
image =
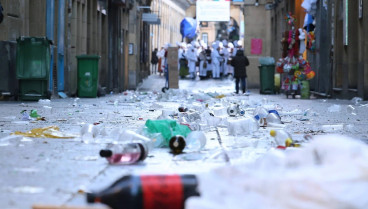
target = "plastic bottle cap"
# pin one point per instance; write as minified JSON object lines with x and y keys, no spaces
{"x":273,"y":133}
{"x":91,"y":197}
{"x":105,"y":153}
{"x":144,"y":152}
{"x":288,"y":142}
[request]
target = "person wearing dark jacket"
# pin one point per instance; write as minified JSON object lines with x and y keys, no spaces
{"x":154,"y":61}
{"x":1,"y":13}
{"x":239,"y":62}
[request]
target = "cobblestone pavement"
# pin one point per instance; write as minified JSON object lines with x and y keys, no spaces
{"x":57,"y":171}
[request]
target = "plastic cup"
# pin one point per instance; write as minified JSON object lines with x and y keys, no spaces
{"x":195,"y":140}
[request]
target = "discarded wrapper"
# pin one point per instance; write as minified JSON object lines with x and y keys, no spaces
{"x":46,"y":132}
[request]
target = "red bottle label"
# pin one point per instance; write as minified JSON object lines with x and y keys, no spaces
{"x":162,"y":192}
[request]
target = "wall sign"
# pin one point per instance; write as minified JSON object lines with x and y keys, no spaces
{"x":256,"y":46}
{"x":213,"y":11}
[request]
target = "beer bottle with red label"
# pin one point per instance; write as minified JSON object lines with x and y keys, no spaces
{"x":147,"y":192}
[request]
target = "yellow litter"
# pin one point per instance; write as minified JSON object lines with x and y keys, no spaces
{"x":220,"y":96}
{"x":46,"y":132}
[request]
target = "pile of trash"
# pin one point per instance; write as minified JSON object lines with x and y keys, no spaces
{"x":329,"y":172}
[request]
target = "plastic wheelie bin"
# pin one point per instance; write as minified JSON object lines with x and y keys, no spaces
{"x":267,"y":79}
{"x":33,"y":67}
{"x":87,"y":75}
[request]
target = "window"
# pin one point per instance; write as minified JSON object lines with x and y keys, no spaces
{"x":203,"y":24}
{"x":205,"y":37}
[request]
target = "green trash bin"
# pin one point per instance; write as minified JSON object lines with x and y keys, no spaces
{"x":87,"y":75}
{"x":33,"y":67}
{"x":267,"y":79}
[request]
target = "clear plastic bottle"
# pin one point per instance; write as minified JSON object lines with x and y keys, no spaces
{"x":89,"y":133}
{"x":260,"y":113}
{"x":282,"y":137}
{"x":232,"y":110}
{"x":131,"y":136}
{"x":273,"y":118}
{"x":124,"y":154}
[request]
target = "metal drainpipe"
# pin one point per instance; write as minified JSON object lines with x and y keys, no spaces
{"x":60,"y":47}
{"x":50,"y":8}
{"x":158,"y":26}
{"x":110,"y":45}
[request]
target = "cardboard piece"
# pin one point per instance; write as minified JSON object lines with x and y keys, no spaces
{"x":172,"y":61}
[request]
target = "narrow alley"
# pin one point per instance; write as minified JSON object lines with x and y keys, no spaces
{"x":51,"y":171}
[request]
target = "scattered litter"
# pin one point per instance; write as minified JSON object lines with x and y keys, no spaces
{"x":244,"y":126}
{"x":329,"y":163}
{"x":25,"y":115}
{"x":47,"y":132}
{"x":62,"y":95}
{"x":86,"y":158}
{"x":334,"y":108}
{"x":124,"y":153}
{"x":167,"y":128}
{"x":189,"y":157}
{"x":26,"y":190}
{"x":8,"y":140}
{"x":20,"y":122}
{"x":356,"y":100}
{"x":195,"y":141}
{"x":89,"y":133}
{"x":34,"y":114}
{"x":332,"y":128}
{"x":351,"y":110}
{"x":48,"y":109}
{"x":44,"y":101}
{"x":75,"y":102}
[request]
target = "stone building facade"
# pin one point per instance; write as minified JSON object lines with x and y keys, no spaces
{"x":96,"y":27}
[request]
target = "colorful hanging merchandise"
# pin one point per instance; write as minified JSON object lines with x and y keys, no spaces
{"x":293,"y":66}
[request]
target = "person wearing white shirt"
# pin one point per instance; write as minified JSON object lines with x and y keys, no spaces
{"x":191,"y":56}
{"x":215,"y":57}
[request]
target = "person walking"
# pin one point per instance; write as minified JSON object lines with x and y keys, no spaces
{"x":162,"y":59}
{"x":154,"y":61}
{"x":230,"y":69}
{"x":215,"y":60}
{"x":203,"y":62}
{"x":226,"y":56}
{"x":239,"y":62}
{"x":191,"y":56}
{"x":1,"y":13}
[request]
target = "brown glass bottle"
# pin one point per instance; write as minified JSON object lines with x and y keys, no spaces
{"x":177,"y":144}
{"x":147,"y":192}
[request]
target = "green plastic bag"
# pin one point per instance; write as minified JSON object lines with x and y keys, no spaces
{"x":168,"y":128}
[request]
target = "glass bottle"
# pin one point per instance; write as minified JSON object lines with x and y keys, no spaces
{"x":124,"y":154}
{"x":177,"y":144}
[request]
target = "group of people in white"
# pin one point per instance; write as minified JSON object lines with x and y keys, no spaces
{"x":198,"y":58}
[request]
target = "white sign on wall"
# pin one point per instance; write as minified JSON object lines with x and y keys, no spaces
{"x":213,"y":11}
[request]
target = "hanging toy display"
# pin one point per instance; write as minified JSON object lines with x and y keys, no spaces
{"x":311,"y":42}
{"x":293,"y":66}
